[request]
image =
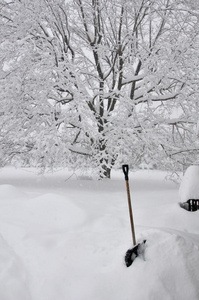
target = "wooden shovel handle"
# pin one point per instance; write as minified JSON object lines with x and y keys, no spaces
{"x":125,"y":170}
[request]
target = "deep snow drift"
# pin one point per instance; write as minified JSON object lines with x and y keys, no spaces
{"x":66,"y":239}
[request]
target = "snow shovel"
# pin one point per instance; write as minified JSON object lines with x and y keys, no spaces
{"x":138,"y":249}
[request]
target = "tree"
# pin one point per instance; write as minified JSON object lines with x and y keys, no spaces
{"x":100,"y":79}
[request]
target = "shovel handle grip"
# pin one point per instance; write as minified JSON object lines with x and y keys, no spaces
{"x":125,"y":169}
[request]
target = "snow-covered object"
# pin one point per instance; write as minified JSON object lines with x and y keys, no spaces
{"x":189,"y":187}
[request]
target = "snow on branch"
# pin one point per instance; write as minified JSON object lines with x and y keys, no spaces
{"x":166,"y":97}
{"x":133,"y":78}
{"x":79,"y":150}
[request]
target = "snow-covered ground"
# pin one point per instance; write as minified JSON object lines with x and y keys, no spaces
{"x":66,"y":239}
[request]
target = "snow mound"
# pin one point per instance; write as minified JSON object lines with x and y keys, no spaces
{"x":13,"y":281}
{"x":189,"y":187}
{"x":55,"y":212}
{"x":8,"y":191}
{"x":170,"y":269}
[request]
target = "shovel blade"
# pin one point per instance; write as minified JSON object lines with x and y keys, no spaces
{"x":132,"y":253}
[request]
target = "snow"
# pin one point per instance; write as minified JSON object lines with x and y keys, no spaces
{"x":66,"y":238}
{"x":189,"y":187}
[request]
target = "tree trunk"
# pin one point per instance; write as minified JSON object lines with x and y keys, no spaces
{"x":105,"y":172}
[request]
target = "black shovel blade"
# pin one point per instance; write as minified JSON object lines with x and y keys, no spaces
{"x":131,"y":254}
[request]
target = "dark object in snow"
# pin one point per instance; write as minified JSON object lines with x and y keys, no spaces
{"x":190,"y":205}
{"x":138,"y":249}
{"x":131,"y":254}
{"x":189,"y":189}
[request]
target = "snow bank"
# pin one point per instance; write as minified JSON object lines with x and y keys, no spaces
{"x":189,"y":188}
{"x":8,"y":191}
{"x":170,"y":271}
{"x":52,"y":211}
{"x":13,"y":278}
{"x":171,"y":267}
